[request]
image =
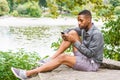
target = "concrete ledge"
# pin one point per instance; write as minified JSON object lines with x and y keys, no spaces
{"x":66,"y":73}
{"x":110,"y":64}
{"x":109,"y":70}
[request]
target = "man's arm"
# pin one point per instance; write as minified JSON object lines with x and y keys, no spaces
{"x":95,"y":45}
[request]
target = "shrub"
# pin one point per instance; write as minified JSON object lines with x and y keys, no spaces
{"x":117,"y":10}
{"x":22,"y":10}
{"x":76,"y":10}
{"x":4,"y":8}
{"x":56,"y":45}
{"x":35,"y":11}
{"x":53,"y":7}
{"x":15,"y":13}
{"x":30,"y":8}
{"x":112,"y":39}
{"x":20,"y":59}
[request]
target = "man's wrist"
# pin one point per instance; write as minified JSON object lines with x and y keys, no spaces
{"x":74,"y":41}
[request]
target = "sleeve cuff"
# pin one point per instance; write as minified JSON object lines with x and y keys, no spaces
{"x":77,"y":44}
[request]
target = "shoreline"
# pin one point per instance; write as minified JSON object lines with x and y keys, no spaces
{"x":7,"y":21}
{"x":21,"y":21}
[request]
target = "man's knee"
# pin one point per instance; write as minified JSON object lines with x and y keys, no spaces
{"x":61,"y":57}
{"x":73,"y":32}
{"x":75,"y":35}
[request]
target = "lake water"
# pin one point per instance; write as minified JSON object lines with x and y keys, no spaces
{"x":31,"y":38}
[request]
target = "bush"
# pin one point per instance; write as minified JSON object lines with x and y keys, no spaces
{"x":112,"y":39}
{"x":76,"y":10}
{"x":56,"y":45}
{"x":4,"y":8}
{"x":20,"y":59}
{"x":117,"y":10}
{"x":22,"y":10}
{"x":30,"y":8}
{"x":53,"y":7}
{"x":15,"y":13}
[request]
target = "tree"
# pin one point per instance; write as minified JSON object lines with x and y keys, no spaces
{"x":11,"y":4}
{"x":14,"y":3}
{"x":43,"y":3}
{"x":74,"y":6}
{"x":4,"y":8}
{"x":115,"y":2}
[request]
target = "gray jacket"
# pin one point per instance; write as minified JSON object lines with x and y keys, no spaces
{"x":92,"y":43}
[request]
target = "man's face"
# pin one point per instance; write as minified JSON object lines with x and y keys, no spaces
{"x":83,"y":21}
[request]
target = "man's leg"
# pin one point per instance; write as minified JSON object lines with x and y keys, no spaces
{"x":58,"y":58}
{"x":66,"y":44}
{"x":54,"y":63}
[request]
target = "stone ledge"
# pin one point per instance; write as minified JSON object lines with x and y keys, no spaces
{"x":109,"y":70}
{"x":110,"y":64}
{"x":66,"y":73}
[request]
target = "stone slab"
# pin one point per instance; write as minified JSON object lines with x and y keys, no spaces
{"x":109,"y":70}
{"x":110,"y":64}
{"x":66,"y":73}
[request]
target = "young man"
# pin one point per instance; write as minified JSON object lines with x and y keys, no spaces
{"x":88,"y":50}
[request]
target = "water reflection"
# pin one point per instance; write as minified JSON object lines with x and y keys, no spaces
{"x":37,"y":38}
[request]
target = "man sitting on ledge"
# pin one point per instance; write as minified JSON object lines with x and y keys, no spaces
{"x":87,"y":42}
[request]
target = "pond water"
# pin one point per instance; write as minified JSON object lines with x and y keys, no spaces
{"x":31,"y":38}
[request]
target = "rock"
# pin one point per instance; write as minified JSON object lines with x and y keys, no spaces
{"x":110,"y":64}
{"x":106,"y":72}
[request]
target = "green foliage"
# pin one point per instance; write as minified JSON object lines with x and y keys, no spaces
{"x":11,"y":4}
{"x":76,"y":10}
{"x":15,"y":13}
{"x":104,"y":12}
{"x":53,"y":8}
{"x":20,"y":1}
{"x":72,"y":6}
{"x":112,"y":39}
{"x":117,"y":10}
{"x":56,"y":45}
{"x":30,"y":8}
{"x":115,"y":3}
{"x":14,"y":3}
{"x":22,"y":9}
{"x":20,"y":59}
{"x":4,"y":8}
{"x":43,"y":3}
{"x":23,"y":1}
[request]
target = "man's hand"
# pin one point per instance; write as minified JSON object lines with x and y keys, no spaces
{"x":68,"y":37}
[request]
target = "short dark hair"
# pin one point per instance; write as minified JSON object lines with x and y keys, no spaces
{"x":85,"y":12}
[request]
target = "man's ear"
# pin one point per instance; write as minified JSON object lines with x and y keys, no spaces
{"x":89,"y":19}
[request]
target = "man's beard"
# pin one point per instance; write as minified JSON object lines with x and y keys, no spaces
{"x":84,"y":27}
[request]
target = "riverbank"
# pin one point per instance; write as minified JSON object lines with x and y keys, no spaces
{"x":20,"y":21}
